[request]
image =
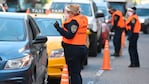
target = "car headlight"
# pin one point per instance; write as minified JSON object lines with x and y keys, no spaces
{"x":19,"y":63}
{"x":57,"y":53}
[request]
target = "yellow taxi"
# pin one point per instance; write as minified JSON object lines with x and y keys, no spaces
{"x":45,"y":22}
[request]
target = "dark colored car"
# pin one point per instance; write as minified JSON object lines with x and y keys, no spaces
{"x":23,"y":56}
{"x":146,"y":26}
{"x":143,"y":14}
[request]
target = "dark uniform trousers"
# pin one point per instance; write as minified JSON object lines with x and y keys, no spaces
{"x":75,"y":56}
{"x":117,"y":40}
{"x":134,"y":58}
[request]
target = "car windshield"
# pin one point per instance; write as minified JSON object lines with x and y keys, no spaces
{"x":11,"y":29}
{"x":118,"y":6}
{"x":142,"y":12}
{"x":46,"y":26}
{"x":85,"y":8}
{"x":104,"y":9}
{"x":12,"y":7}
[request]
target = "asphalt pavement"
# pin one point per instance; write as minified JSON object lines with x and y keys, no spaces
{"x":120,"y":72}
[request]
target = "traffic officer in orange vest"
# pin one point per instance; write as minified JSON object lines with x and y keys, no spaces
{"x":74,"y":32}
{"x":118,"y":26}
{"x":133,"y":27}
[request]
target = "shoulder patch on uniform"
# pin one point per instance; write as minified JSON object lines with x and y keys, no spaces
{"x":133,"y":21}
{"x":74,"y":28}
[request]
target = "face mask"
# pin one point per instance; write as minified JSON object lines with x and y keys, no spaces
{"x":130,"y":13}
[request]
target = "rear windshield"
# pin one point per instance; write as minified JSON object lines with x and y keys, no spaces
{"x":12,"y":29}
{"x":46,"y":26}
{"x":85,"y":8}
{"x":142,"y":12}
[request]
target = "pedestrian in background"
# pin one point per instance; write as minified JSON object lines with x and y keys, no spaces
{"x":133,"y":27}
{"x":74,"y":32}
{"x":118,"y":25}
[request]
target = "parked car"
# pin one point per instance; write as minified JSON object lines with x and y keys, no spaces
{"x":56,"y":59}
{"x":103,"y":6}
{"x":23,"y":56}
{"x":19,"y":5}
{"x":146,"y":26}
{"x":143,"y":13}
{"x":105,"y":29}
{"x":88,"y":8}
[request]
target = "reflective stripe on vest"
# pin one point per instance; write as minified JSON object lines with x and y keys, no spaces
{"x":81,"y":34}
{"x":137,"y":26}
{"x":121,"y":22}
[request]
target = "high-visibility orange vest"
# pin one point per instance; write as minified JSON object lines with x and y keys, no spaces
{"x":121,"y":22}
{"x":137,"y":26}
{"x":81,"y":35}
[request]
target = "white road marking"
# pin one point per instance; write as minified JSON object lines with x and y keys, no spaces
{"x":99,"y":73}
{"x":90,"y":82}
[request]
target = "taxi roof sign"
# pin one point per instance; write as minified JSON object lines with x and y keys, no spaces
{"x":38,"y":11}
{"x":57,"y":11}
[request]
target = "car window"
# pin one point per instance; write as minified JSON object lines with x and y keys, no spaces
{"x":1,"y":8}
{"x":85,"y":8}
{"x":119,"y":6}
{"x":46,"y":26}
{"x":34,"y":28}
{"x":10,"y":31}
{"x":142,"y":12}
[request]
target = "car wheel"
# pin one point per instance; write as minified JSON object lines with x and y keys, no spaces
{"x":45,"y":81}
{"x":86,"y":61}
{"x":93,"y":45}
{"x":99,"y":45}
{"x":33,"y":79}
{"x":147,"y":29}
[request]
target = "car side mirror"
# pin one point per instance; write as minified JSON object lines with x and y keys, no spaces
{"x":99,"y":14}
{"x":40,"y":39}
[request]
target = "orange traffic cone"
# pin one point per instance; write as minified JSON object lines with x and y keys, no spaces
{"x":65,"y":77}
{"x":28,"y":11}
{"x":122,"y":42}
{"x":106,"y":57}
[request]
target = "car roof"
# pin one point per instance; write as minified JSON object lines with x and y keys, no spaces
{"x":13,"y":15}
{"x":102,"y":4}
{"x":41,"y":13}
{"x":47,"y":16}
{"x":145,"y":6}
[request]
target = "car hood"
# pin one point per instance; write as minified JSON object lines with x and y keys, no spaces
{"x":142,"y":18}
{"x":11,"y":50}
{"x":53,"y":43}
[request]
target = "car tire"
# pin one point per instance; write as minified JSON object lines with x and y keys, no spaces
{"x":146,"y":29}
{"x":99,"y":45}
{"x":86,"y":61}
{"x":33,"y":78}
{"x":45,"y":81}
{"x":93,"y":44}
